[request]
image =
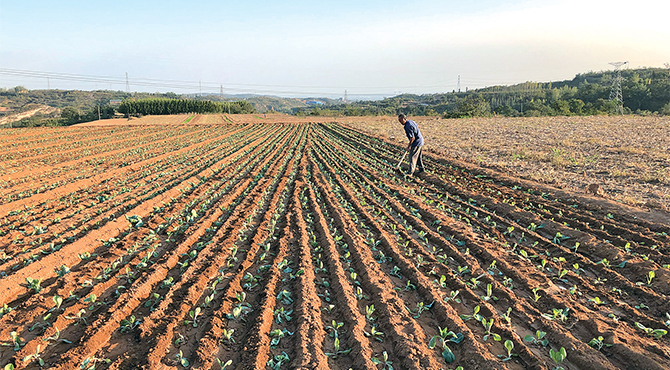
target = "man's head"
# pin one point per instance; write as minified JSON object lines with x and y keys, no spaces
{"x":402,"y":118}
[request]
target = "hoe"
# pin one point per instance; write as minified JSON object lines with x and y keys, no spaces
{"x":397,"y":168}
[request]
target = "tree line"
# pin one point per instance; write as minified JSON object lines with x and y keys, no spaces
{"x":645,"y":91}
{"x":161,"y":106}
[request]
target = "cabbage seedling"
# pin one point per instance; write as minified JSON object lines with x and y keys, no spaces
{"x":656,"y":333}
{"x":537,"y":339}
{"x":385,"y":362}
{"x":509,"y":346}
{"x":35,"y":357}
{"x":558,"y":357}
{"x":182,"y":361}
{"x":224,"y":365}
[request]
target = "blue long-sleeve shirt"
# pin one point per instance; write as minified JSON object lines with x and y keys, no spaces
{"x":412,"y":131}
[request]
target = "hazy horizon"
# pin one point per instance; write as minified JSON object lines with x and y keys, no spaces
{"x":301,"y":49}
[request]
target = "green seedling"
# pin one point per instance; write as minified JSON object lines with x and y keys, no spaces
{"x":488,"y":324}
{"x":374,"y":333}
{"x":598,"y":343}
{"x":129,"y":324}
{"x":558,"y":357}
{"x":193,"y":314}
{"x":409,"y":286}
{"x":35,"y":357}
{"x":4,"y":309}
{"x":597,"y":301}
{"x":58,"y":301}
{"x":369,"y":310}
{"x":282,"y":315}
{"x":656,"y":333}
{"x":337,"y":351}
{"x":79,"y":317}
{"x":536,"y":295}
{"x":227,"y":335}
{"x":92,"y":300}
{"x":475,"y":315}
{"x":224,"y":365}
{"x":453,"y":296}
{"x":446,"y":336}
{"x":135,"y":220}
{"x":462,"y":270}
{"x":277,"y":335}
{"x":276,"y":362}
{"x":62,"y":270}
{"x":285,"y":297}
{"x":333,"y":328}
{"x":328,"y":308}
{"x":538,"y":339}
{"x":558,"y":238}
{"x":489,"y":294}
{"x":9,"y":367}
{"x":650,"y":276}
{"x":507,"y":316}
{"x":474,"y":282}
{"x":509,"y":346}
{"x":182,"y":360}
{"x":55,"y":338}
{"x":34,"y":284}
{"x":89,"y":362}
{"x":420,"y":308}
{"x":359,"y":294}
{"x":15,"y":341}
{"x":385,"y":362}
{"x":557,"y":314}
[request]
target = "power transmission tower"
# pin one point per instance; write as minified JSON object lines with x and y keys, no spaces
{"x":459,"y":83}
{"x":48,"y":84}
{"x":345,"y":96}
{"x":615,"y":93}
{"x":200,"y":84}
{"x":221,"y":92}
{"x":127,"y":84}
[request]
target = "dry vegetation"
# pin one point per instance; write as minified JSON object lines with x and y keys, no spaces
{"x":628,"y":156}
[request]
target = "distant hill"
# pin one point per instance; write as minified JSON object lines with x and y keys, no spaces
{"x":645,"y":91}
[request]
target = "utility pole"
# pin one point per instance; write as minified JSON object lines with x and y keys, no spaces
{"x":345,"y":96}
{"x":459,"y":83}
{"x":127,"y":84}
{"x":48,"y":84}
{"x":200,"y":83}
{"x":221,"y":92}
{"x":615,"y":93}
{"x":98,"y":113}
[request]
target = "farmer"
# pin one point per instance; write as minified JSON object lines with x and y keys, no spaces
{"x":415,"y":145}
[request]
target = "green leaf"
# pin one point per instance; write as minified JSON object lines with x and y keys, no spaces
{"x":509,"y":345}
{"x":432,"y":342}
{"x":448,"y":355}
{"x":458,"y":338}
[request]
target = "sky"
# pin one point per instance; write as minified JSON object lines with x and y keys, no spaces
{"x":322,"y":48}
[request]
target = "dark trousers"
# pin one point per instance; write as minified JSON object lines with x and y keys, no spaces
{"x":415,"y":159}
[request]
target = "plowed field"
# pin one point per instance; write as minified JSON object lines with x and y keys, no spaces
{"x":297,"y":246}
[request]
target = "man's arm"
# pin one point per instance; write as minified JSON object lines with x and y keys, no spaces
{"x":409,"y":146}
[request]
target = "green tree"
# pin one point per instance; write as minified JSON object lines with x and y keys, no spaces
{"x":69,"y":116}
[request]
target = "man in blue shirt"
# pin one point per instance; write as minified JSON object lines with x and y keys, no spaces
{"x":415,"y":145}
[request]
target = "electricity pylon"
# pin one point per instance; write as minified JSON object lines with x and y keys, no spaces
{"x":615,"y":93}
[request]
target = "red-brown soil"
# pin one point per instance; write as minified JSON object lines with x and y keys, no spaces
{"x":292,"y":243}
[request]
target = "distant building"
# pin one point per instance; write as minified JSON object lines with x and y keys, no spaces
{"x":314,"y":102}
